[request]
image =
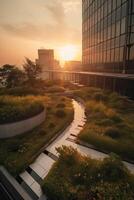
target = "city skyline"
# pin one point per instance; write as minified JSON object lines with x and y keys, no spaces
{"x":26,"y":26}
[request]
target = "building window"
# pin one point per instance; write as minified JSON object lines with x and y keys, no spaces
{"x":132,"y":53}
{"x":123,"y":25}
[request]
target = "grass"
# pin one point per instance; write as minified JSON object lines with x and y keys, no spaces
{"x":18,"y":152}
{"x":21,"y":91}
{"x":88,"y":179}
{"x":110,"y":126}
{"x":13,"y":109}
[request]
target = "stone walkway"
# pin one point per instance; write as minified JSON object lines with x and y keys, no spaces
{"x":32,"y":177}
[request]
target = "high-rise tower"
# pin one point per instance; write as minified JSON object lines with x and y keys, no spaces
{"x":108,"y":35}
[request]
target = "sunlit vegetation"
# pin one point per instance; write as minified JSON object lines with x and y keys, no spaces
{"x":110,"y":126}
{"x":81,"y":178}
{"x":13,"y":109}
{"x":18,"y":152}
{"x":22,"y":91}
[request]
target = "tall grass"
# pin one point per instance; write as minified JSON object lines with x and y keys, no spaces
{"x":110,"y":121}
{"x":13,"y":109}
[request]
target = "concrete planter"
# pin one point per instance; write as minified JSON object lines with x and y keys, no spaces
{"x":18,"y":128}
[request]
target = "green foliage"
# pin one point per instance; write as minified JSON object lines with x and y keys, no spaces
{"x":51,"y":125}
{"x":110,"y":121}
{"x":14,"y":109}
{"x":61,"y":105}
{"x":55,"y":89}
{"x":114,"y":133}
{"x":21,"y":91}
{"x":19,"y":152}
{"x":60,"y":113}
{"x":112,"y":169}
{"x":32,"y":70}
{"x":81,"y":178}
{"x":11,"y":76}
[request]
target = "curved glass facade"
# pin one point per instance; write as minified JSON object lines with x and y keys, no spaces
{"x":108,"y":35}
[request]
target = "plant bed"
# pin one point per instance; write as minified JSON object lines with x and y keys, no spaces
{"x":109,"y":126}
{"x":87,"y":179}
{"x":17,"y":153}
{"x":14,"y":109}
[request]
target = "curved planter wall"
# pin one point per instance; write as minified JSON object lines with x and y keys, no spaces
{"x":17,"y":128}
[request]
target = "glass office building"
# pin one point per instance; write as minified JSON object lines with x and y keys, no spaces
{"x":108,"y":35}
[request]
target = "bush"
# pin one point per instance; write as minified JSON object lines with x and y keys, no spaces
{"x":112,"y":169}
{"x":113,"y":133}
{"x":51,"y":125}
{"x":14,"y":146}
{"x":56,"y":89}
{"x":61,"y":105}
{"x":99,"y":96}
{"x":14,"y":109}
{"x":76,"y":177}
{"x":21,"y":91}
{"x":60,"y":113}
{"x":105,"y":122}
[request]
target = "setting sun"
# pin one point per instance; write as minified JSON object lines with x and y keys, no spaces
{"x":68,"y":52}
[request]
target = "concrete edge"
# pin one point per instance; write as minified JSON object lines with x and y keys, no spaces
{"x":12,"y":185}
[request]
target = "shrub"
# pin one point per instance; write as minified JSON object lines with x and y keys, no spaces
{"x":112,"y":169}
{"x":113,"y":133}
{"x":76,"y":177}
{"x":14,"y":146}
{"x":21,"y":91}
{"x":99,"y":96}
{"x":61,"y":105}
{"x":14,"y":109}
{"x":56,"y":89}
{"x":60,"y":113}
{"x":105,"y":122}
{"x":51,"y":125}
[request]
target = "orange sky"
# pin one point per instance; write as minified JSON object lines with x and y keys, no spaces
{"x":26,"y":25}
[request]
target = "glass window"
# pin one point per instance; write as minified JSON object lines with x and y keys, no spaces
{"x":113,"y":17}
{"x":118,"y":28}
{"x":113,"y":30}
{"x":118,"y":14}
{"x":122,"y":40}
{"x":117,"y":42}
{"x":132,"y":38}
{"x":132,"y":53}
{"x":109,"y":6}
{"x":123,"y":10}
{"x":112,"y":43}
{"x":108,"y":56}
{"x":114,"y":4}
{"x":109,"y":32}
{"x":105,"y":9}
{"x":123,"y":25}
{"x":121,"y":54}
{"x":112,"y":55}
{"x":117,"y":54}
{"x":118,"y":3}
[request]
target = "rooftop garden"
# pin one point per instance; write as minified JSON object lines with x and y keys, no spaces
{"x":17,"y":153}
{"x":13,"y":109}
{"x":110,"y":126}
{"x":88,"y":179}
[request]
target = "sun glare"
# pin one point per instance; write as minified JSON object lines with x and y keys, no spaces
{"x":68,"y":52}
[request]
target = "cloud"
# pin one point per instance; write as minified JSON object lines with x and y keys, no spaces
{"x":48,"y":33}
{"x":50,"y":23}
{"x":57,"y":10}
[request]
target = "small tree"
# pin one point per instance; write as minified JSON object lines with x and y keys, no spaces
{"x":11,"y":76}
{"x":32,"y":70}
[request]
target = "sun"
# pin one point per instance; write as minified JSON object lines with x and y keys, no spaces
{"x":68,"y":52}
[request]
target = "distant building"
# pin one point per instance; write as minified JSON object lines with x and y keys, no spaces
{"x":73,"y":65}
{"x":108,"y":35}
{"x":45,"y":59}
{"x":57,"y":65}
